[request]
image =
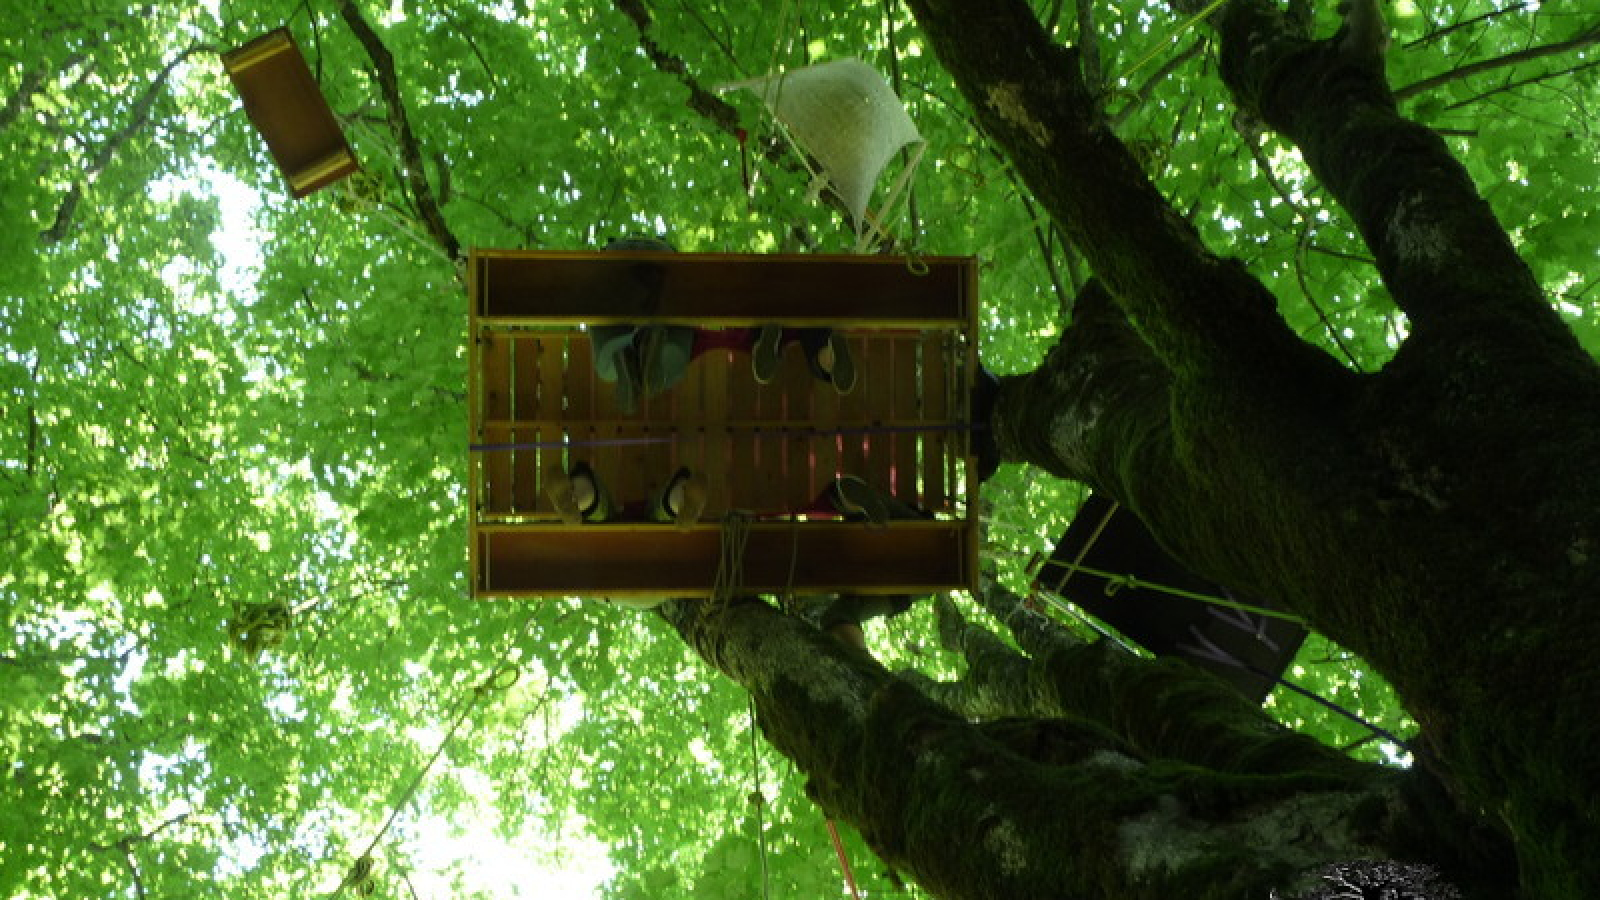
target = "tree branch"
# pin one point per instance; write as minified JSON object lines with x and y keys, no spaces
{"x":1089,"y":47}
{"x":719,"y":111}
{"x":1585,"y":39}
{"x":1444,"y":257}
{"x":1194,"y":309}
{"x":139,"y":117}
{"x":1466,"y":23}
{"x":1513,"y":85}
{"x":1148,"y":86}
{"x":21,"y":98}
{"x":1021,"y":807}
{"x":413,"y":172}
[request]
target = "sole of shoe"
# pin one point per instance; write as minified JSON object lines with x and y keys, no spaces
{"x":766,"y":354}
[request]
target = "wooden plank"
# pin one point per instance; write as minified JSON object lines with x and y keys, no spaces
{"x":495,"y":350}
{"x":905,"y":408}
{"x":800,"y":390}
{"x":497,"y":469}
{"x":285,"y":103}
{"x":876,"y":390}
{"x":933,"y":446}
{"x":523,"y":364}
{"x":718,"y":446}
{"x":578,"y":380}
{"x":723,"y":290}
{"x":659,"y":561}
{"x":743,"y":486}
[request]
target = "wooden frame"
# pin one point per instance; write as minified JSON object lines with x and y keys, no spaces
{"x":285,"y":103}
{"x":537,"y":406}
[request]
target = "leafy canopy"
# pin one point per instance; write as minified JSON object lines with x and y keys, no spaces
{"x":226,"y":410}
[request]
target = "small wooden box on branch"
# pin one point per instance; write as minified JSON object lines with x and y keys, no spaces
{"x":537,"y":407}
{"x":286,"y":105}
{"x":1110,"y":565}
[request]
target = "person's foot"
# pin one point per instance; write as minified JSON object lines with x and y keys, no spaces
{"x":767,"y":353}
{"x":855,"y":499}
{"x":574,"y":494}
{"x":840,"y":366}
{"x":684,"y":499}
{"x":828,"y":355}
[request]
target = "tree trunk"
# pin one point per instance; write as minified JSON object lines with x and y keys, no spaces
{"x":1440,"y":518}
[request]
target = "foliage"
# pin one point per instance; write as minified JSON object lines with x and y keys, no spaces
{"x":197,"y":430}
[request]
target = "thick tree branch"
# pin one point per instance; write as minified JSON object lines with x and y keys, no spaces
{"x":413,"y":171}
{"x":1441,"y":253}
{"x":1028,"y":808}
{"x":1200,"y":314}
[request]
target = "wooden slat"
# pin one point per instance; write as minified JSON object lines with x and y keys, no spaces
{"x":799,"y":392}
{"x":661,"y":561}
{"x":905,"y":407}
{"x":285,"y":103}
{"x":722,"y":290}
{"x":497,"y":469}
{"x":524,"y":378}
{"x":714,"y":409}
{"x":876,"y":390}
{"x":579,"y":380}
{"x":934,"y":369}
{"x":495,"y":350}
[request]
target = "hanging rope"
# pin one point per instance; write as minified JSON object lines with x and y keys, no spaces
{"x":844,"y":861}
{"x":359,"y":876}
{"x":1116,"y":581}
{"x":1094,"y":537}
{"x":758,"y":799}
{"x":730,"y":563}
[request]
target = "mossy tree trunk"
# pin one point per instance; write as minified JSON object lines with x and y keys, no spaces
{"x":1440,"y":517}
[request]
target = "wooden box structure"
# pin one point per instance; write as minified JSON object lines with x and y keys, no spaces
{"x":537,"y":406}
{"x":1246,"y":649}
{"x":283,"y":100}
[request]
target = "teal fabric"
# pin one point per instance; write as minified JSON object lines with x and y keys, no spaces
{"x":665,"y":369}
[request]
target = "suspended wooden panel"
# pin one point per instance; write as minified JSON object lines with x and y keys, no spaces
{"x":1248,"y":650}
{"x":722,"y":290}
{"x":286,"y":105}
{"x":767,"y":451}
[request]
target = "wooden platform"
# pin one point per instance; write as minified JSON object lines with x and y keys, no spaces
{"x":767,"y":451}
{"x":285,"y":103}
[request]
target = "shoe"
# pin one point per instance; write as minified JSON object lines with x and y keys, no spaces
{"x":630,"y":381}
{"x":843,"y":373}
{"x":767,"y":353}
{"x":857,"y":500}
{"x":563,"y":494}
{"x":691,"y":502}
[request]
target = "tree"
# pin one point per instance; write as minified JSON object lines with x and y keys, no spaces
{"x":1435,"y":516}
{"x":232,"y":492}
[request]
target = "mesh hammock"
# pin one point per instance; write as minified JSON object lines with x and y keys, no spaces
{"x":849,"y":120}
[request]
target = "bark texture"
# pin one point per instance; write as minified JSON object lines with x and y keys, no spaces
{"x":1156,"y":782}
{"x":1438,"y":517}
